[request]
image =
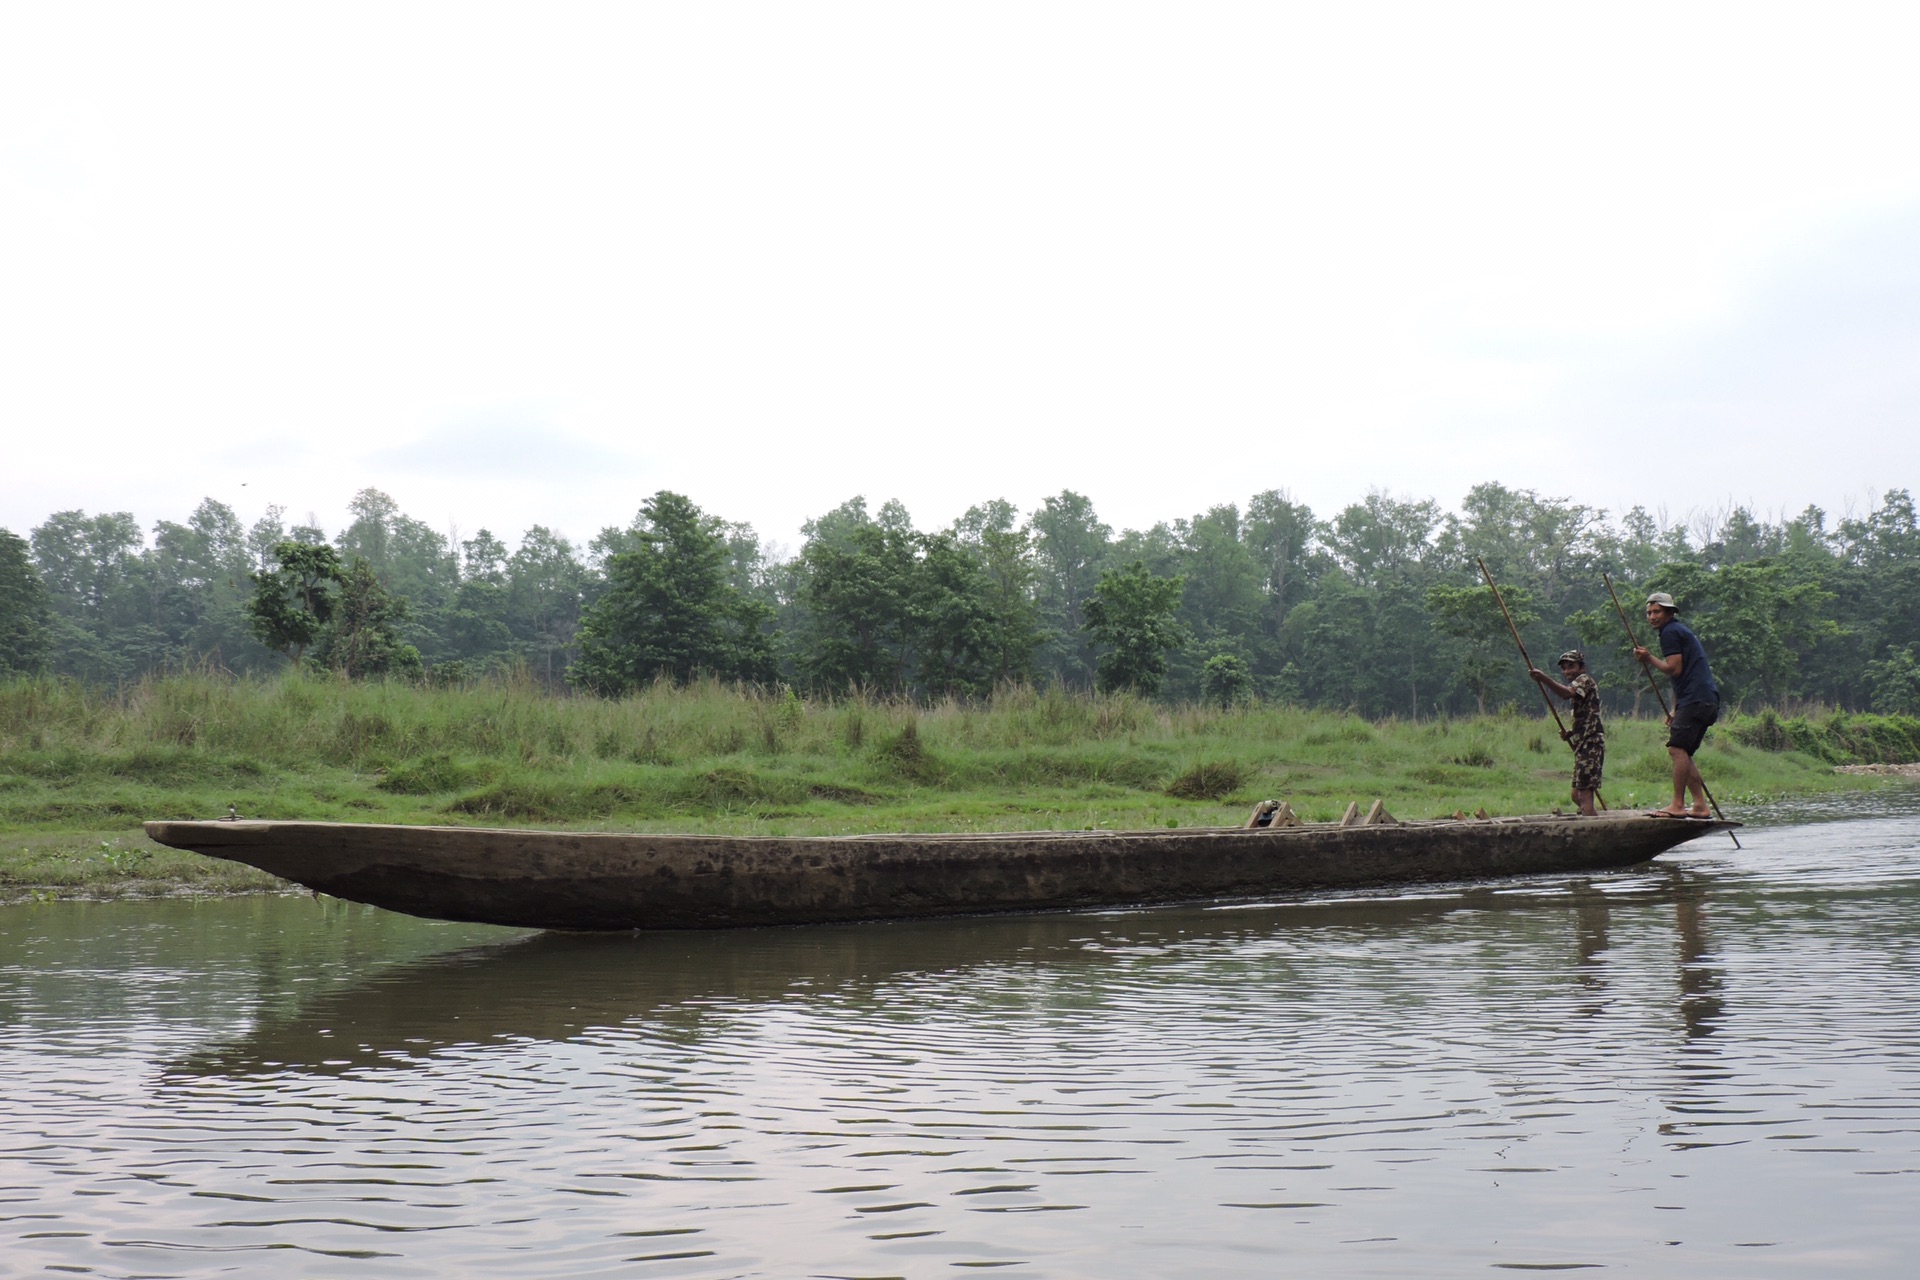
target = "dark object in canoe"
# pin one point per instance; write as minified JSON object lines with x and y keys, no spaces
{"x":608,"y":880}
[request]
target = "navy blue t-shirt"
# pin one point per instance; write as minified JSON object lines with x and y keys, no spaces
{"x":1695,"y":683}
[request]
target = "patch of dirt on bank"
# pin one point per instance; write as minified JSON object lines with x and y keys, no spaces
{"x":1910,"y":771}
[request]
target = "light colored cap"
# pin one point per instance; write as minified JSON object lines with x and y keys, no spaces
{"x":1664,"y":600}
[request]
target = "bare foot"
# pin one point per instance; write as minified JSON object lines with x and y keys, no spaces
{"x":1699,"y":813}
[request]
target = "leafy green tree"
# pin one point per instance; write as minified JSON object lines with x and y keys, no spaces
{"x":266,"y":533}
{"x":1546,"y":544}
{"x":1364,"y":639}
{"x":1642,"y":544}
{"x":859,"y":589}
{"x":1224,"y":604}
{"x":473,"y":629}
{"x":1226,"y":680}
{"x":1871,"y":564}
{"x":87,"y":562}
{"x":750,"y":567}
{"x":25,"y":616}
{"x":1740,"y":538}
{"x":1341,"y":613}
{"x":1223,"y":578}
{"x":1609,"y":657}
{"x":1888,"y":534}
{"x":1895,"y":681}
{"x":996,"y":515}
{"x":1013,"y":629}
{"x":198,"y":579}
{"x":421,"y":565}
{"x":1359,"y":648}
{"x":546,"y":590}
{"x":1070,"y":546}
{"x":954,"y":633}
{"x":294,"y":599}
{"x":1382,"y":536}
{"x":1134,"y":615}
{"x":96,"y":579}
{"x":1321,"y":665}
{"x":1484,"y":656}
{"x":670,"y":610}
{"x":1280,"y":534}
{"x":1403,"y":679}
{"x":362,"y":638}
{"x":412,"y":561}
{"x":881,"y":606}
{"x":483,"y":558}
{"x":1756,"y":620}
{"x":474,"y":625}
{"x":370,"y":532}
{"x":839,"y":523}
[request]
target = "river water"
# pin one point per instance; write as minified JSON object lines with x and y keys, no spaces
{"x":1707,"y":1066}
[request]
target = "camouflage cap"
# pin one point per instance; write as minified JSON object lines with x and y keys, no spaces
{"x":1574,"y":656}
{"x":1664,"y":600}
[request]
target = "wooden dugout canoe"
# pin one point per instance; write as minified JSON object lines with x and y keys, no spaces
{"x":612,"y":880}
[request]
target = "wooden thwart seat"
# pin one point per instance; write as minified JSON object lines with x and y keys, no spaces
{"x":1272,"y":813}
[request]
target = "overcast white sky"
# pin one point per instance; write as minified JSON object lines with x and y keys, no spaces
{"x":530,"y":263}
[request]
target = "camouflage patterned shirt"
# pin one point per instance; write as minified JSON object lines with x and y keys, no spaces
{"x":1586,"y":710}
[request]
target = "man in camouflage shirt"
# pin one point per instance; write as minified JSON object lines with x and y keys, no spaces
{"x":1588,"y":736}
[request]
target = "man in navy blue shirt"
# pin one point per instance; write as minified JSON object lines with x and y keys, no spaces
{"x":1696,"y":702}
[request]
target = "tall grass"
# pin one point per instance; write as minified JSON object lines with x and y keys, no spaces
{"x":300,"y":720}
{"x":1835,"y":736}
{"x":729,"y":758}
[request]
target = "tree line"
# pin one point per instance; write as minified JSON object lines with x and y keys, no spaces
{"x":1379,"y":608}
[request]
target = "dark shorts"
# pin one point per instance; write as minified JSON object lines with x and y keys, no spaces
{"x":1690,"y":725}
{"x":1589,"y":759}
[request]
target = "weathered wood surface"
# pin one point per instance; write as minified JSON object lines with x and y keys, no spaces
{"x":611,"y":880}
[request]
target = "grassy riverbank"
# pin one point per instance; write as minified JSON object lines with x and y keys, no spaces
{"x":80,"y":769}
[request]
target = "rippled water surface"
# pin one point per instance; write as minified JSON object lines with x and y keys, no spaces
{"x":1708,"y":1066}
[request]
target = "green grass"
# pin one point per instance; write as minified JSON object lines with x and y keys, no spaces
{"x":1836,"y":737}
{"x":80,"y":768}
{"x":101,"y":864}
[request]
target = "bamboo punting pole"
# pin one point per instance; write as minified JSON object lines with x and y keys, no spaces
{"x":1521,"y":645}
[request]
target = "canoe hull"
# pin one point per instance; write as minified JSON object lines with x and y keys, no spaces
{"x":619,"y":881}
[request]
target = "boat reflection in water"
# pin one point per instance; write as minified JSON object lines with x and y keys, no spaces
{"x":558,"y":987}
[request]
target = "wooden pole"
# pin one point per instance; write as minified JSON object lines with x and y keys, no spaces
{"x":1521,"y":645}
{"x":1545,"y":696}
{"x":1634,"y":640}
